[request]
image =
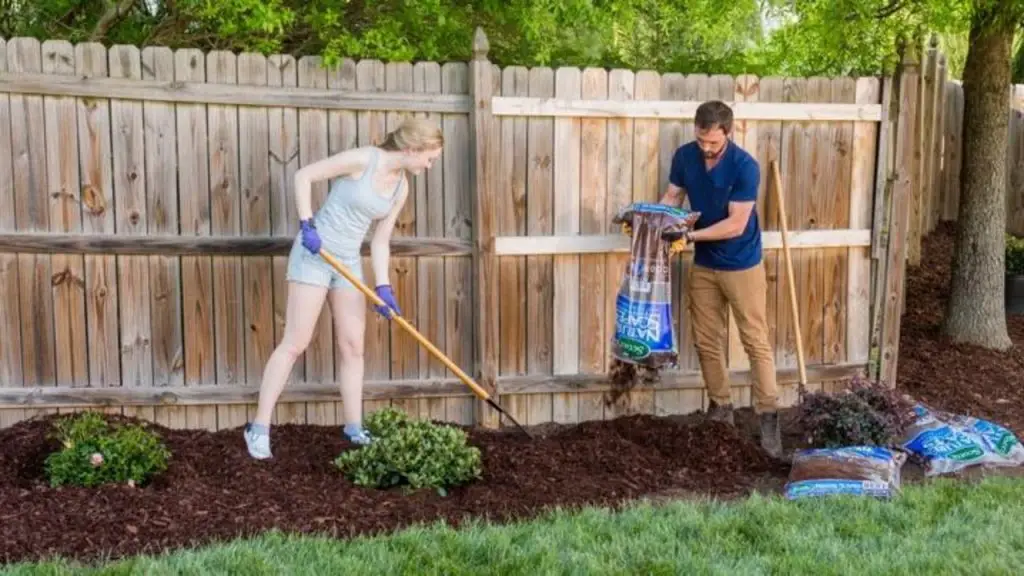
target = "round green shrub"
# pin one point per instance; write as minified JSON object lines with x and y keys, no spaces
{"x":416,"y":454}
{"x":95,"y":452}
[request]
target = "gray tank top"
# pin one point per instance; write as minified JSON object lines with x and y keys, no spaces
{"x":351,"y":206}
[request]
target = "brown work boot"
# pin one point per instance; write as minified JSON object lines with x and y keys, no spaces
{"x":720,"y":412}
{"x":771,"y":439}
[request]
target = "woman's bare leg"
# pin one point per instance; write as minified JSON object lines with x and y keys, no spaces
{"x":348,"y":309}
{"x":305,"y":302}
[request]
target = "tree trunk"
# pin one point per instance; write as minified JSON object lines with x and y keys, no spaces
{"x":976,"y":312}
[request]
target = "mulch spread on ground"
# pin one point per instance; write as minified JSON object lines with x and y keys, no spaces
{"x":214,"y":492}
{"x":958,"y":378}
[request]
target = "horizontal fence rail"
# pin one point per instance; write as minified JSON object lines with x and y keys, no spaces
{"x":681,"y":110}
{"x":182,"y":92}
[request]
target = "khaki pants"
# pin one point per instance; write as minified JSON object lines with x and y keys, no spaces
{"x":710,"y":294}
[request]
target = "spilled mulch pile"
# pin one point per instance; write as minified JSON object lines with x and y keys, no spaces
{"x":213,"y":491}
{"x":958,"y":378}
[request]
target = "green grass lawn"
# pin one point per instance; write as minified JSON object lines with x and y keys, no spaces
{"x":943,"y":528}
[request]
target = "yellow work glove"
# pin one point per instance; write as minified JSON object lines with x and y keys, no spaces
{"x":677,"y":247}
{"x":627,"y":229}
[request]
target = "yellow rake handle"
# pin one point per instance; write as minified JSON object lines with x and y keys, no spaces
{"x":479,"y":391}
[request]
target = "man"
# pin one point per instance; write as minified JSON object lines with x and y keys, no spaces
{"x":721,"y":180}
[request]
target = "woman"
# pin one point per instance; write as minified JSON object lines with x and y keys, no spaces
{"x":371,"y":186}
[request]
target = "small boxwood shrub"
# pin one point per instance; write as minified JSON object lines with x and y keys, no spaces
{"x":95,"y":451}
{"x":1014,"y":255}
{"x":866,"y":414}
{"x":413,"y":454}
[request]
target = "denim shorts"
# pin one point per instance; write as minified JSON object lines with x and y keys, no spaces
{"x":308,"y":268}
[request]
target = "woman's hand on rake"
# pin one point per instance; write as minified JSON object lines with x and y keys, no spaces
{"x":385,"y":293}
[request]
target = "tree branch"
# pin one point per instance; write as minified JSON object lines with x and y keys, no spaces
{"x":113,"y":13}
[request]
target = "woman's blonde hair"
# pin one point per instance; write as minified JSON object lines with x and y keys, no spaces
{"x":414,"y":134}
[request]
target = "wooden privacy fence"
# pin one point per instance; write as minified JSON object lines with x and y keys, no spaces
{"x":149,"y":215}
{"x":937,"y":182}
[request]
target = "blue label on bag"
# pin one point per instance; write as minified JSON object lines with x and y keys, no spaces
{"x":643,"y":327}
{"x":820,"y":488}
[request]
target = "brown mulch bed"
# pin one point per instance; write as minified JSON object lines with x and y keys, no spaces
{"x":958,"y":378}
{"x":213,"y":491}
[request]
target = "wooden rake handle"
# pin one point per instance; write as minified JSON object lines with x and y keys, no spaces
{"x":477,"y":389}
{"x":779,"y":196}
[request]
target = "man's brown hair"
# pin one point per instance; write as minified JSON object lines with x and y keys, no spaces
{"x":714,"y":113}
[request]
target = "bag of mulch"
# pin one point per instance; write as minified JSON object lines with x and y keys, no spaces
{"x":949,"y":443}
{"x":644,"y":332}
{"x":854,"y":470}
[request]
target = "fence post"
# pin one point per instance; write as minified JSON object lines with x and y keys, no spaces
{"x":485,"y":151}
{"x":900,"y":211}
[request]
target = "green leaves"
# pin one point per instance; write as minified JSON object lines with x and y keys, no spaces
{"x":96,"y":452}
{"x":1014,"y":254}
{"x":417,"y":454}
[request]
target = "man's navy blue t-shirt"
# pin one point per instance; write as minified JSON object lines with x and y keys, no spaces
{"x":734,"y":179}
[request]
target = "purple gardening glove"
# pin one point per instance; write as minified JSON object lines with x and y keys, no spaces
{"x":310,"y":238}
{"x":385,"y":293}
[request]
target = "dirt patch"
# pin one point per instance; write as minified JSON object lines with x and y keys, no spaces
{"x":213,"y":491}
{"x":957,"y":378}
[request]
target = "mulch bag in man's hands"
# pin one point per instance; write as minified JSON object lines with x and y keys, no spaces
{"x":644,"y":332}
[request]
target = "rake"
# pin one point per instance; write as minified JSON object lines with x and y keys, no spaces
{"x":476,"y":388}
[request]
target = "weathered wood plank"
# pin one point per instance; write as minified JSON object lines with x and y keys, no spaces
{"x":185,"y":245}
{"x":566,"y":267}
{"x":254,"y":181}
{"x":899,"y":223}
{"x":97,"y":195}
{"x":511,"y":220}
{"x":194,"y":187}
{"x":370,"y":77}
{"x":809,"y":239}
{"x":10,"y":323}
{"x":594,"y":219}
{"x":131,"y":219}
{"x":430,"y":305}
{"x":668,"y":380}
{"x":539,"y":269}
{"x":485,"y":81}
{"x":282,"y":71}
{"x":32,"y":213}
{"x":65,"y":216}
{"x":460,"y":331}
{"x":398,"y":77}
{"x":212,"y":395}
{"x":166,"y":296}
{"x":858,"y":294}
{"x":670,"y":137}
{"x":836,"y":214}
{"x":768,"y":147}
{"x":620,"y":194}
{"x":162,"y":201}
{"x":561,"y":107}
{"x":313,"y":147}
{"x":193,"y":91}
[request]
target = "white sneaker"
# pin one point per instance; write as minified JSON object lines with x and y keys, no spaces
{"x":361,"y":438}
{"x":258,"y":444}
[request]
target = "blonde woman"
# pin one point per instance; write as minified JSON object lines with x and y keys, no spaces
{"x":371,"y":186}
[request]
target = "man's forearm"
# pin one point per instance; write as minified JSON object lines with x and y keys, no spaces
{"x":718,"y":231}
